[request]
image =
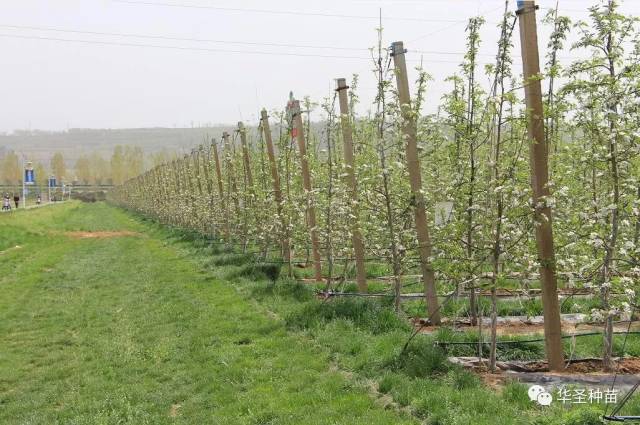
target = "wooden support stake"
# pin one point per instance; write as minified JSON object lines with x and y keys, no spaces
{"x":294,"y":108}
{"x":409,"y":132}
{"x":349,"y":159}
{"x":275,"y":178}
{"x":538,"y":154}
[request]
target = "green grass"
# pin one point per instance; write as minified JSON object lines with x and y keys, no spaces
{"x":130,"y":330}
{"x":459,"y":307}
{"x":455,"y":307}
{"x":163,"y":327}
{"x":364,"y":314}
{"x":363,"y":343}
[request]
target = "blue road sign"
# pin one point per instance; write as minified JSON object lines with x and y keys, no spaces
{"x":29,"y":177}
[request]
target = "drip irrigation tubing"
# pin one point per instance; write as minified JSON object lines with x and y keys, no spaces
{"x":374,"y":295}
{"x":529,"y":341}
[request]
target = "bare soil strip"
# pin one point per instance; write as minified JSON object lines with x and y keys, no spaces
{"x":584,"y":372}
{"x":100,"y":235}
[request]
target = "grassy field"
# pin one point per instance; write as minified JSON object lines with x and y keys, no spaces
{"x":127,"y":330}
{"x":146,"y":325}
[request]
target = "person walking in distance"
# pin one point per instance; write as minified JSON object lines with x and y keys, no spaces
{"x":6,"y":203}
{"x":16,"y":200}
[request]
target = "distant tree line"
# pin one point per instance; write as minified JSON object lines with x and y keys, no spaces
{"x":124,"y":163}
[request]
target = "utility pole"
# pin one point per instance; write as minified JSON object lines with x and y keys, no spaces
{"x":349,"y":159}
{"x":298,"y":128}
{"x":277,"y":192}
{"x":539,"y":159}
{"x":409,"y":133}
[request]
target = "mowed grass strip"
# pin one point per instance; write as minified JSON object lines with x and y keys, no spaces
{"x":126,"y":330}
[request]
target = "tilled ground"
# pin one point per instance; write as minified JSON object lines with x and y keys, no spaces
{"x":586,"y":372}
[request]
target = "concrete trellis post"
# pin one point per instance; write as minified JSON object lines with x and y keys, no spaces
{"x":409,"y":132}
{"x":294,"y":109}
{"x":275,"y":178}
{"x":232,"y":188}
{"x":216,"y":160}
{"x":177,"y":202}
{"x":188,"y":176}
{"x":539,"y":162}
{"x":209,"y":186}
{"x":245,"y":155}
{"x":347,"y":143}
{"x":195,"y":155}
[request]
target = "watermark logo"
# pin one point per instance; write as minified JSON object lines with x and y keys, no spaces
{"x":540,"y":395}
{"x":587,"y":396}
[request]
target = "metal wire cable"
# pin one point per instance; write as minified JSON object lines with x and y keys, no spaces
{"x":283,"y":12}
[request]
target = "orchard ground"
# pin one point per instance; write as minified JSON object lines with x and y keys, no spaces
{"x":108,"y":318}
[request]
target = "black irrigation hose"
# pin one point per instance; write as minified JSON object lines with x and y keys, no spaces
{"x":617,"y":408}
{"x":283,"y":262}
{"x":385,"y":294}
{"x":526,"y":341}
{"x":310,"y":261}
{"x":614,"y":413}
{"x":359,"y":294}
{"x":417,"y":331}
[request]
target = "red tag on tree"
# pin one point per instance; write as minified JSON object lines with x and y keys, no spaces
{"x":294,"y":132}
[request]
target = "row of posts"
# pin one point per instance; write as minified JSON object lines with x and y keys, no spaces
{"x":539,"y":182}
{"x":538,"y":170}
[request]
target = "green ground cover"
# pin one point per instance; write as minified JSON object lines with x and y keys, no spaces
{"x":157,"y":326}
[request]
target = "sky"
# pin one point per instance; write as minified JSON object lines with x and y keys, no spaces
{"x":182,"y":63}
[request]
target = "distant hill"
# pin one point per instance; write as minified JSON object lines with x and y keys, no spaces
{"x":40,"y":145}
